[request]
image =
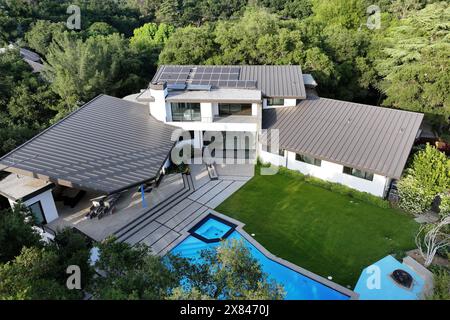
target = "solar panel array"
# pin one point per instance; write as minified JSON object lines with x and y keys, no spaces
{"x":239,"y":84}
{"x":174,"y":74}
{"x":215,"y":73}
{"x":215,"y":76}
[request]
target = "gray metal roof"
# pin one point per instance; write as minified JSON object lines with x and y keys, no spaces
{"x":364,"y":137}
{"x":276,"y":81}
{"x":273,"y":81}
{"x":106,"y":145}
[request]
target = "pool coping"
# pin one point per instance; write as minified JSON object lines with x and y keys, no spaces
{"x":192,"y":231}
{"x":240,"y":228}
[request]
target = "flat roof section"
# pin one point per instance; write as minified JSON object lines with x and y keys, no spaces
{"x":107,"y":145}
{"x":16,"y":187}
{"x":363,"y":137}
{"x":216,"y":95}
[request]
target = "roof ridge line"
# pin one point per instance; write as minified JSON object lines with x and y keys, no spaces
{"x":51,"y":127}
{"x":369,"y":105}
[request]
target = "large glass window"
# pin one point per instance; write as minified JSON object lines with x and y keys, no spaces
{"x":309,"y":160}
{"x":38,"y":213}
{"x":182,"y":111}
{"x":275,"y":102}
{"x":358,"y":173}
{"x":228,"y":109}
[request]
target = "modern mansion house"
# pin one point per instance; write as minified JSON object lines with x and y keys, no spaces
{"x":360,"y":146}
{"x":111,"y":145}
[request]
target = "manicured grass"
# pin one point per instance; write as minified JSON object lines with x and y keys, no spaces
{"x":325,"y":232}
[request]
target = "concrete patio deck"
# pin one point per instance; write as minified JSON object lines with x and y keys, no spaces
{"x":174,"y":207}
{"x":163,"y":226}
{"x":128,"y":208}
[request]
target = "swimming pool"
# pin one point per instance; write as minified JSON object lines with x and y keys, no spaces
{"x":296,"y":285}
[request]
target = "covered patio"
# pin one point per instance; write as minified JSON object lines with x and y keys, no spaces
{"x":128,"y":207}
{"x":108,"y":147}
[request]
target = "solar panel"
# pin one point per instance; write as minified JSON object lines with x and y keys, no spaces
{"x":217,"y":76}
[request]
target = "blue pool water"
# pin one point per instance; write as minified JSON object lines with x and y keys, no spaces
{"x":296,"y":285}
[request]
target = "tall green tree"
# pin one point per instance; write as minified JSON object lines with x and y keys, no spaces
{"x":230,"y":272}
{"x":26,"y":103}
{"x":132,"y":273}
{"x":189,"y":45}
{"x":31,"y":276}
{"x":15,"y":18}
{"x":41,"y":35}
{"x":79,"y":70}
{"x":16,"y":231}
{"x":169,"y":12}
{"x":414,"y":62}
{"x":348,"y":14}
{"x":72,"y":248}
{"x":149,"y":40}
{"x":297,"y":9}
{"x":100,"y":29}
{"x":258,"y":38}
{"x":39,"y":271}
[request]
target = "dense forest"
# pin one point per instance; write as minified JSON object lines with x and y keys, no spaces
{"x":392,"y":53}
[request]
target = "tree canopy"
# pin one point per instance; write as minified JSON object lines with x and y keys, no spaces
{"x":414,"y":61}
{"x":230,"y":272}
{"x":27,"y":105}
{"x":427,"y":177}
{"x":16,"y":231}
{"x":403,"y":64}
{"x":78,"y":69}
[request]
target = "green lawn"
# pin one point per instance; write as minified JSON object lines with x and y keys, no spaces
{"x":323,"y":231}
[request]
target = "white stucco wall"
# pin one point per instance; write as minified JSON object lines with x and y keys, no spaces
{"x":47,"y":203}
{"x":290,"y":102}
{"x":159,"y":109}
{"x":275,"y":159}
{"x":215,"y":108}
{"x":206,"y":110}
{"x":255,"y":107}
{"x":329,"y":171}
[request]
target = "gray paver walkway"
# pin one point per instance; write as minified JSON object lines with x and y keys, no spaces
{"x":162,"y":226}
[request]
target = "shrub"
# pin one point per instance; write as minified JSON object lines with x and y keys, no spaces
{"x":445,"y":205}
{"x":428,"y":176}
{"x":441,"y":289}
{"x":431,"y":168}
{"x":413,"y":197}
